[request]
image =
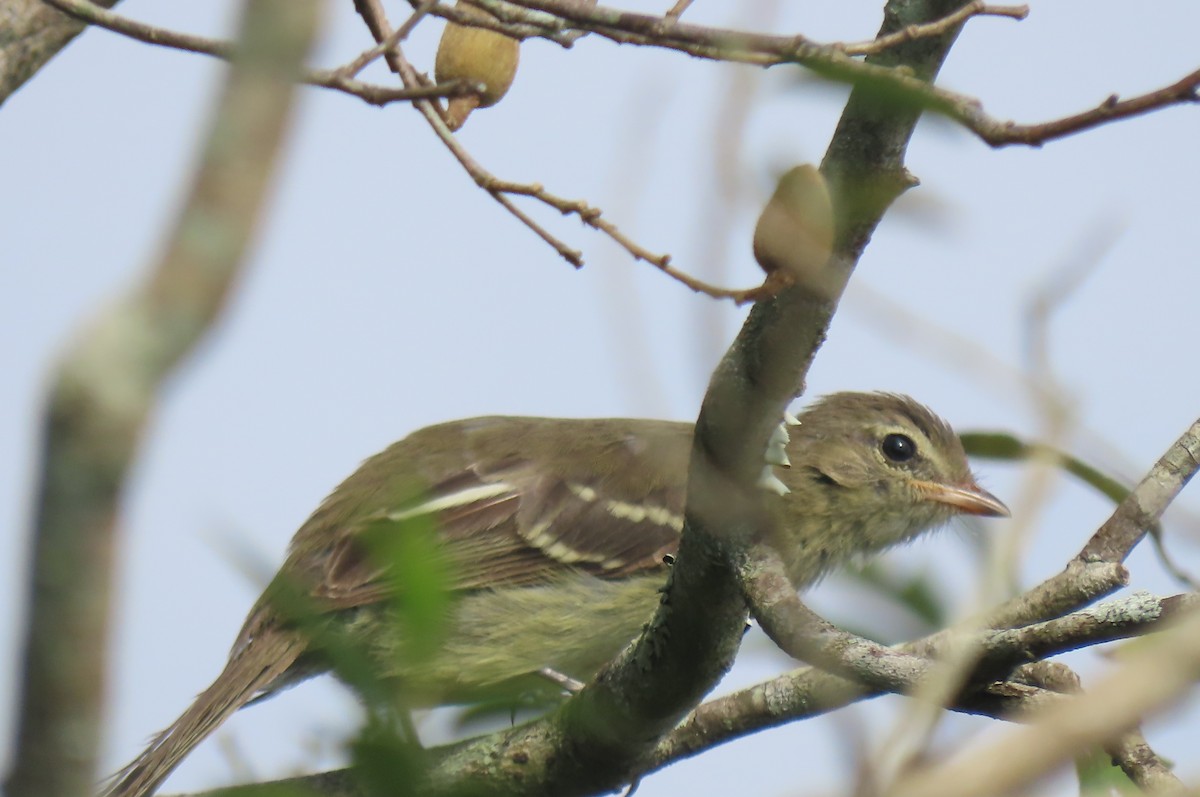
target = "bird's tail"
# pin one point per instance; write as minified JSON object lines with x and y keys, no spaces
{"x":256,"y":663}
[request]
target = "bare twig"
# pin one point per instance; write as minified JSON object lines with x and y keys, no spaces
{"x":217,"y":48}
{"x":105,"y":392}
{"x":836,"y":62}
{"x":722,"y":44}
{"x":999,"y":133}
{"x":593,"y":217}
{"x":398,"y":35}
{"x":552,"y":19}
{"x":978,"y":8}
{"x":503,"y":190}
{"x":676,"y":11}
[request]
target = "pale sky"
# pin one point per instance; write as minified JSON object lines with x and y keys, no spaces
{"x":386,"y":292}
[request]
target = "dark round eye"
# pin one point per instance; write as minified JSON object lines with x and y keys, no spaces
{"x":898,"y":447}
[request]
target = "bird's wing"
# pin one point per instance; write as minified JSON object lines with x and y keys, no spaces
{"x":515,"y":522}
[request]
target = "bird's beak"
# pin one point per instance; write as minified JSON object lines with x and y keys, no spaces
{"x":970,"y":499}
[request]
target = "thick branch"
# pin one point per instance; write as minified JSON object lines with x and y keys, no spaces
{"x":105,"y":391}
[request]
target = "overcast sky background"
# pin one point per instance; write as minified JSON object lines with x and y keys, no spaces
{"x":386,"y":292}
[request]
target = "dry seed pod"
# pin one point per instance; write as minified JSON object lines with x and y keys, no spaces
{"x":480,"y":56}
{"x":794,"y":235}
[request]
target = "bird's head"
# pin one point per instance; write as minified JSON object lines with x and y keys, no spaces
{"x":869,"y":470}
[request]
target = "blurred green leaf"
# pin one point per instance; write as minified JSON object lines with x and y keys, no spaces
{"x":1004,"y":446}
{"x":916,"y":593}
{"x":509,"y":709}
{"x":406,"y":556}
{"x":1099,"y":776}
{"x":345,"y":653}
{"x":385,"y":762}
{"x":418,"y":578}
{"x":269,"y":790}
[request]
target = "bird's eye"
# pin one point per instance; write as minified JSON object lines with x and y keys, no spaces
{"x":898,"y":447}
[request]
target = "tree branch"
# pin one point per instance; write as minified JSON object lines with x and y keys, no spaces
{"x":340,"y":79}
{"x":105,"y":392}
{"x":552,"y":19}
{"x":1150,"y":678}
{"x":809,"y":691}
{"x":32,"y":35}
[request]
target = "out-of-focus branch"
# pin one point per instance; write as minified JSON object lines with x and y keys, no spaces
{"x":1143,"y":766}
{"x":1150,"y":678}
{"x":105,"y":391}
{"x":30,"y":35}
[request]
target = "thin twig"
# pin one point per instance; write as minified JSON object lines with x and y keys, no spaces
{"x":998,"y":133}
{"x":218,"y":48}
{"x":360,"y":63}
{"x":593,"y":217}
{"x":376,"y":20}
{"x":667,"y":31}
{"x":676,"y":11}
{"x":502,"y":190}
{"x":554,"y":19}
{"x":977,"y":8}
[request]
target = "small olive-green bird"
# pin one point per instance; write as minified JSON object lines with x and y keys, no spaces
{"x":558,"y":535}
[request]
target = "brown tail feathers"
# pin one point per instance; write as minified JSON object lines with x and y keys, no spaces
{"x":256,"y":662}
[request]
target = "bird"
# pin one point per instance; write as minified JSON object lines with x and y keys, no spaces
{"x":558,"y":535}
